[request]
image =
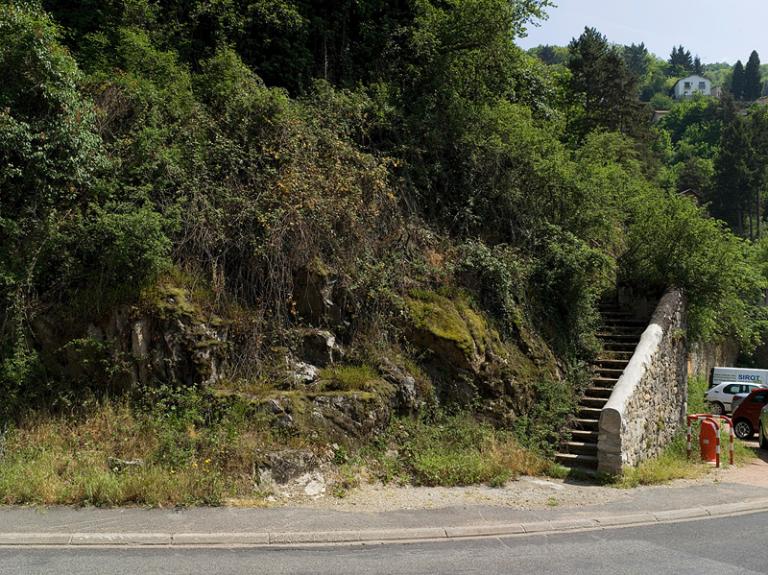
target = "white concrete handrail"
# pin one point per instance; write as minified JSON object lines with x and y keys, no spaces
{"x":624,"y":421}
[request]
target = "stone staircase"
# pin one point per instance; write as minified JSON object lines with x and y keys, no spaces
{"x":619,"y":334}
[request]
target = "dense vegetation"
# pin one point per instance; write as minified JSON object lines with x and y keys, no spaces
{"x":233,"y":148}
{"x":657,"y":77}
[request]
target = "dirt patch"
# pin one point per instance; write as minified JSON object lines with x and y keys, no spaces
{"x":753,"y":473}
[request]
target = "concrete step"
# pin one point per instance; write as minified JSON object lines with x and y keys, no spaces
{"x":619,"y":337}
{"x":609,"y":363}
{"x":623,"y":346}
{"x":624,"y":324}
{"x":624,"y":351}
{"x":619,"y":332}
{"x":586,"y":424}
{"x":624,"y":321}
{"x":613,"y":372}
{"x":616,"y":355}
{"x":576,"y":460}
{"x":619,"y":346}
{"x":579,"y":447}
{"x":584,"y":435}
{"x":604,"y":381}
{"x":589,"y":412}
{"x":598,"y":402}
{"x":616,"y":312}
{"x":596,"y":391}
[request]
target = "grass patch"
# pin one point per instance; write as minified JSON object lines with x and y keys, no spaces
{"x":179,"y":452}
{"x":350,"y":378}
{"x":453,"y":451}
{"x":672,"y":464}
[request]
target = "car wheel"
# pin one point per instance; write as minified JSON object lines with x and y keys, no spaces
{"x":763,"y":439}
{"x":743,"y":429}
{"x":717,"y":408}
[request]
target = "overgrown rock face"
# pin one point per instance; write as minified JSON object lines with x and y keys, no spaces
{"x":451,"y":330}
{"x":316,"y":295}
{"x":470,"y":361}
{"x":404,"y":384}
{"x":339,"y":416}
{"x":167,"y":339}
{"x":164,"y":340}
{"x":318,"y":347}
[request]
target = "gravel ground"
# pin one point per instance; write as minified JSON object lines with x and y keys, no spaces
{"x":525,"y":493}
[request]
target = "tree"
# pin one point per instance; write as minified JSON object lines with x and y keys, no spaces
{"x":551,"y":55}
{"x":602,"y":83}
{"x":636,"y":58}
{"x":758,"y":127}
{"x":695,"y":174}
{"x":753,"y":85}
{"x":680,"y":61}
{"x":731,"y":199}
{"x":738,"y":81}
{"x":65,"y":229}
{"x":698,"y":67}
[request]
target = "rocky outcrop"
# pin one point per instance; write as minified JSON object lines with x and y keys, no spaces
{"x":648,"y":403}
{"x":451,"y":330}
{"x":166,"y":339}
{"x":334,"y":415}
{"x":470,"y":362}
{"x":318,"y":347}
{"x":404,"y":383}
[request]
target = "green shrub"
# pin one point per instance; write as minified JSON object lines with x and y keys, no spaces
{"x":697,"y":387}
{"x":661,"y":102}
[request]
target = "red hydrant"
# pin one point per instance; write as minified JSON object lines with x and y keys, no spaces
{"x":708,"y":442}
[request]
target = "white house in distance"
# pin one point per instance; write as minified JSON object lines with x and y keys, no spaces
{"x":691,"y":85}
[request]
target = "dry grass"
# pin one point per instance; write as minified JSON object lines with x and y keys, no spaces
{"x":58,"y":460}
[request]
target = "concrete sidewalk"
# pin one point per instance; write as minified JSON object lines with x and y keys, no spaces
{"x":286,"y":526}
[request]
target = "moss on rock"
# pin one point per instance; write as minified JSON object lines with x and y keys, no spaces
{"x":451,"y":329}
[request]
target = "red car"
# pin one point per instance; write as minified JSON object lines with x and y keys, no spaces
{"x":746,"y":417}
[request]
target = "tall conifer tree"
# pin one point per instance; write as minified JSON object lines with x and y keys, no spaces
{"x":698,"y":67}
{"x":737,"y":81}
{"x":731,"y":199}
{"x":609,"y":91}
{"x":753,"y":85}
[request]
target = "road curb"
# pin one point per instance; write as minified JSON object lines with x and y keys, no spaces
{"x":378,"y":536}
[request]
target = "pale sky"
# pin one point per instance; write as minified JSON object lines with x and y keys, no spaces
{"x":716,"y":30}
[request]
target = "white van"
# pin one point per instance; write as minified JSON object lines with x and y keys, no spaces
{"x":738,"y":375}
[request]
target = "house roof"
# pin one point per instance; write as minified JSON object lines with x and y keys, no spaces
{"x":694,"y":77}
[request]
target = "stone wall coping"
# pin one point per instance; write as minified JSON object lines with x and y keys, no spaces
{"x":650,"y":342}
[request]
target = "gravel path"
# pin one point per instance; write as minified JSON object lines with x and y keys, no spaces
{"x":525,"y":493}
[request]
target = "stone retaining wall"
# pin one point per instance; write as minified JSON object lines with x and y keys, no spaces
{"x":703,"y":357}
{"x":648,"y":403}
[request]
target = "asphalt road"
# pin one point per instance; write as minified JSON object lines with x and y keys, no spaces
{"x":732,"y":546}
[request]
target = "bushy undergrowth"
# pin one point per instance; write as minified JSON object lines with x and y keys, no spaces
{"x":697,"y":387}
{"x":450,"y":451}
{"x":175,"y":450}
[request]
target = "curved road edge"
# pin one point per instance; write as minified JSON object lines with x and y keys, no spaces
{"x":378,"y":536}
